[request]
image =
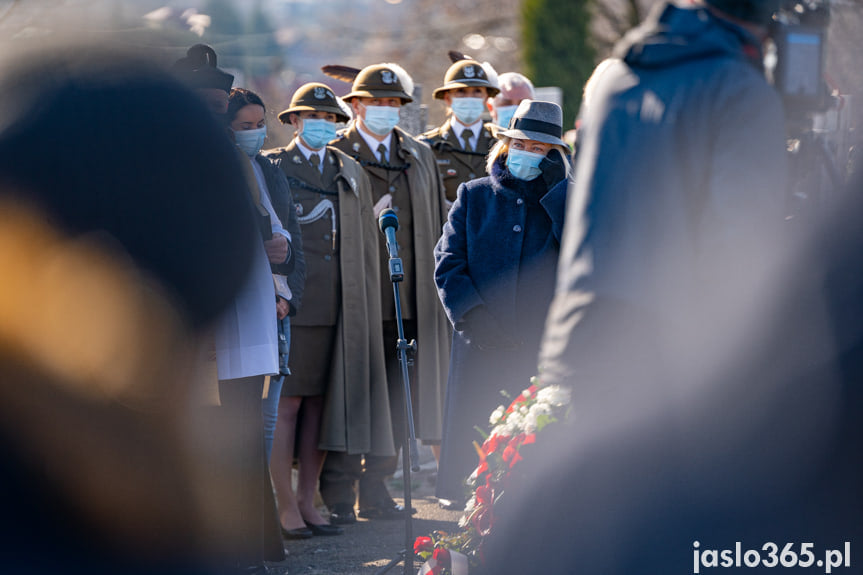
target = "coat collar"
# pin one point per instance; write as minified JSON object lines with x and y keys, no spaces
{"x":552,"y":201}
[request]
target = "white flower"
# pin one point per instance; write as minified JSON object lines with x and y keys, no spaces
{"x":554,"y":395}
{"x":538,"y":409}
{"x":496,"y":415}
{"x":515,"y":423}
{"x":530,"y":422}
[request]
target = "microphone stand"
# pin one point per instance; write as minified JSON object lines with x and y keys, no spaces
{"x":409,"y":440}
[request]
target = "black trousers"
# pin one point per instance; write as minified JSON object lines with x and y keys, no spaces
{"x":242,"y":413}
{"x":341,"y":470}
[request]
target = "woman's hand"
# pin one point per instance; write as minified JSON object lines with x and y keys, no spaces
{"x":283,"y":308}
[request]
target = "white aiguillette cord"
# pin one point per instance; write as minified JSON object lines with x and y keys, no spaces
{"x":318,"y":212}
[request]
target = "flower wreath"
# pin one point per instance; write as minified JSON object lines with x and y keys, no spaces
{"x":512,"y":429}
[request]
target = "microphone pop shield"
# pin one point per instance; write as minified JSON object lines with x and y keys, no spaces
{"x":388,"y":219}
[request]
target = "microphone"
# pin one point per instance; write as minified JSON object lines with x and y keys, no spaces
{"x":388,"y":222}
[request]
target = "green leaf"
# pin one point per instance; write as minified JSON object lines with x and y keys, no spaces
{"x":481,"y":432}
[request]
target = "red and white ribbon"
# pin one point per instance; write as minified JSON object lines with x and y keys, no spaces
{"x":459,"y":565}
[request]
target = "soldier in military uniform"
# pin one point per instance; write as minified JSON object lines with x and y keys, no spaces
{"x":338,"y":377}
{"x":462,"y":143}
{"x":403,"y":176}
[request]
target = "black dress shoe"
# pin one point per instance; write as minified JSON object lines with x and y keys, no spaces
{"x":324,"y":529}
{"x":386,"y":510}
{"x":343,"y":514}
{"x":298,"y":533}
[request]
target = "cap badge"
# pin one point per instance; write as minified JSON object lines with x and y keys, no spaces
{"x":320,"y":93}
{"x":387,"y":77}
{"x":469,"y":72}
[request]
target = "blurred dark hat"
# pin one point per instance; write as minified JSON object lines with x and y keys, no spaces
{"x":314,"y":97}
{"x":199,"y":70}
{"x":466,"y":74}
{"x":536,"y":120}
{"x":382,"y":81}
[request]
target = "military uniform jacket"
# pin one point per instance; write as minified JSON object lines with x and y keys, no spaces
{"x":356,"y":416}
{"x":455,"y":164}
{"x":427,"y":211}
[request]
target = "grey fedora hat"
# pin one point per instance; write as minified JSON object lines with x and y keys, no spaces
{"x":536,"y":120}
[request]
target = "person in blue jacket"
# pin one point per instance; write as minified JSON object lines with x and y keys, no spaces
{"x":495,"y":269}
{"x":707,"y":406}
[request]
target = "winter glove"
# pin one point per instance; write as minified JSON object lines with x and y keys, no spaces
{"x":553,"y":168}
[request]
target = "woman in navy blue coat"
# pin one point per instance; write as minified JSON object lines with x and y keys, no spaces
{"x":495,"y":272}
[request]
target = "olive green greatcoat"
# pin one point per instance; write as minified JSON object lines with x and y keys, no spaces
{"x":428,"y":210}
{"x":356,"y":413}
{"x":455,"y":164}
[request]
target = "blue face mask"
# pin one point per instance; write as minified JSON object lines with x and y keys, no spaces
{"x":504,"y":115}
{"x":381,"y":119}
{"x":250,"y":141}
{"x":523,"y":165}
{"x":467,"y":110}
{"x":317,"y":132}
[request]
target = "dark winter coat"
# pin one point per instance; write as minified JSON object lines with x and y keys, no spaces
{"x":678,"y":197}
{"x":495,"y":269}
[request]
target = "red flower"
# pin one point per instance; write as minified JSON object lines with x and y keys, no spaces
{"x":516,"y":441}
{"x":423,"y":544}
{"x":492,"y":443}
{"x":484,"y":495}
{"x":528,"y":439}
{"x":511,"y":455}
{"x":441,"y":555}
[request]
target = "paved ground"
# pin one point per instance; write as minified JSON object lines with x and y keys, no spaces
{"x":367,"y":545}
